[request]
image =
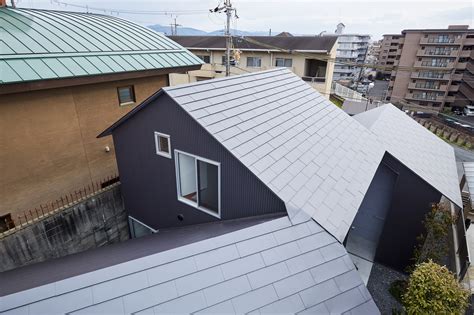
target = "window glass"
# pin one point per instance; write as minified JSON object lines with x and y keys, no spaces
{"x":126,"y":95}
{"x":206,"y":59}
{"x":162,"y":143}
{"x":187,"y":177}
{"x":283,"y":62}
{"x":208,"y":186}
{"x":254,"y":62}
{"x":198,"y":183}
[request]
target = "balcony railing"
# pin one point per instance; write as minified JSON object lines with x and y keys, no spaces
{"x":428,"y":52}
{"x":429,"y":64}
{"x":314,"y":79}
{"x":437,"y":41}
{"x":425,"y":86}
{"x":430,"y":75}
{"x":424,"y":97}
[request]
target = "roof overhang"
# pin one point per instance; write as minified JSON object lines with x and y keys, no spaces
{"x":10,"y":88}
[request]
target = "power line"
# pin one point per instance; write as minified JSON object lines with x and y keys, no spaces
{"x":125,"y":11}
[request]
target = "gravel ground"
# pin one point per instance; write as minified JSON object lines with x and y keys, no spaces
{"x":380,"y":280}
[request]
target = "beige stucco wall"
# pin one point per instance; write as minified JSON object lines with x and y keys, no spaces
{"x":268,"y":61}
{"x":48,"y":144}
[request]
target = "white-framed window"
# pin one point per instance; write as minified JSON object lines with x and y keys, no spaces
{"x":283,"y":62}
{"x":254,"y":62}
{"x":198,"y":182}
{"x":163,"y":144}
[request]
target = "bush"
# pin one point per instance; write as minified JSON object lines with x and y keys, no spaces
{"x":397,"y":289}
{"x":433,"y":289}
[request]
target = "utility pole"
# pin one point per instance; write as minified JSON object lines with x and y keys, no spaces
{"x":228,"y":9}
{"x":174,"y":27}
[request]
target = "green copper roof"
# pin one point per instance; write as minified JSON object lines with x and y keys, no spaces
{"x":41,"y":44}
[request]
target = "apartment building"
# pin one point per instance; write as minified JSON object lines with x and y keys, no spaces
{"x":351,"y":49}
{"x":64,"y":77}
{"x":433,"y":68}
{"x":389,"y":49}
{"x":307,"y":56}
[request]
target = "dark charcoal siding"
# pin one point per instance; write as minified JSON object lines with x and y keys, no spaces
{"x":411,"y":201}
{"x":149,"y":180}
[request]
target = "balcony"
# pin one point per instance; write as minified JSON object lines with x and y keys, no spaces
{"x":467,"y":53}
{"x":427,"y":64}
{"x":418,"y":86}
{"x":430,"y":98}
{"x":418,"y":75}
{"x":456,"y":77}
{"x":434,"y":41}
{"x":461,"y":65}
{"x":314,"y":79}
{"x":428,"y":52}
{"x":454,"y":88}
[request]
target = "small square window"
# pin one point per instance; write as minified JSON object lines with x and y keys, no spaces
{"x":163,"y":144}
{"x":126,"y":95}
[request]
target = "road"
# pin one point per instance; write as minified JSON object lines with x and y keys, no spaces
{"x":463,"y":155}
{"x":377,"y":93}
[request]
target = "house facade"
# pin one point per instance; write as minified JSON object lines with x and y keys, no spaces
{"x":64,"y":77}
{"x":306,"y":56}
{"x":266,"y":143}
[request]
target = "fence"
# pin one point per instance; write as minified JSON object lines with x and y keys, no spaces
{"x":9,"y":224}
{"x":346,"y":92}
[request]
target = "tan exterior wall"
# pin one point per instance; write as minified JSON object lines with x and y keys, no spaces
{"x":48,"y":144}
{"x":268,"y":61}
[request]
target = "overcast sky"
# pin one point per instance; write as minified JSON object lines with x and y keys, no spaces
{"x":374,"y":17}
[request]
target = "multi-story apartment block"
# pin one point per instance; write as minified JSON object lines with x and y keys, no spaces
{"x":351,"y":49}
{"x":309,"y":57}
{"x":433,"y":67}
{"x":389,"y":49}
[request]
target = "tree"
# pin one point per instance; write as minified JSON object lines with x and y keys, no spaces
{"x":433,"y":289}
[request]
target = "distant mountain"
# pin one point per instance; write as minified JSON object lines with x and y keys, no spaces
{"x":193,"y":31}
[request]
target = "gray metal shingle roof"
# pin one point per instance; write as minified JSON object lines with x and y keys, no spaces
{"x":314,"y":156}
{"x":418,"y":148}
{"x":299,"y":268}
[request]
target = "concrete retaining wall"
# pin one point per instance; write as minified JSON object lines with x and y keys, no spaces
{"x":96,"y":221}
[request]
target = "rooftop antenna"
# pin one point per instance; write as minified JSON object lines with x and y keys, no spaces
{"x":174,"y":26}
{"x":229,"y":10}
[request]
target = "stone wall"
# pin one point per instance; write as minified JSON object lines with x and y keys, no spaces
{"x":447,"y":132}
{"x":95,"y":221}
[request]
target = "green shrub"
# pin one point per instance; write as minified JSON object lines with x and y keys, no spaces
{"x":397,"y":289}
{"x":433,"y":289}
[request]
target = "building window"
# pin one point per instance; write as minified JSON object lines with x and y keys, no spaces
{"x":254,"y":62}
{"x":283,"y":62}
{"x":126,"y":95}
{"x":206,"y":59}
{"x":163,"y":144}
{"x":198,"y":182}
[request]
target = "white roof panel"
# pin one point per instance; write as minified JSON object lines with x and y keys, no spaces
{"x":416,"y":147}
{"x":297,"y":142}
{"x":299,"y":268}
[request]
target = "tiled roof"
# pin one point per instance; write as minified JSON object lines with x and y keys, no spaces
{"x":40,"y":44}
{"x":272,"y":267}
{"x":416,"y":147}
{"x":322,"y":44}
{"x":315,"y":157}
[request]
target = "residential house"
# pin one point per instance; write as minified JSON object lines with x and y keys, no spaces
{"x":260,"y":195}
{"x":307,"y":56}
{"x":433,"y":68}
{"x":64,"y":77}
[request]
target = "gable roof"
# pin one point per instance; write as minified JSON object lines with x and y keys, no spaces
{"x":271,"y":267}
{"x":321,"y":44}
{"x":315,"y":157}
{"x":418,"y":148}
{"x":43,"y":44}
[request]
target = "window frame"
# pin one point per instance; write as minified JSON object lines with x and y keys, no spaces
{"x":178,"y":188}
{"x":132,"y":90}
{"x":132,"y":228}
{"x":254,"y":58}
{"x":284,"y":62}
{"x":157,"y":144}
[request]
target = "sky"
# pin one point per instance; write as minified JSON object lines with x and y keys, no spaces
{"x":374,"y":17}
